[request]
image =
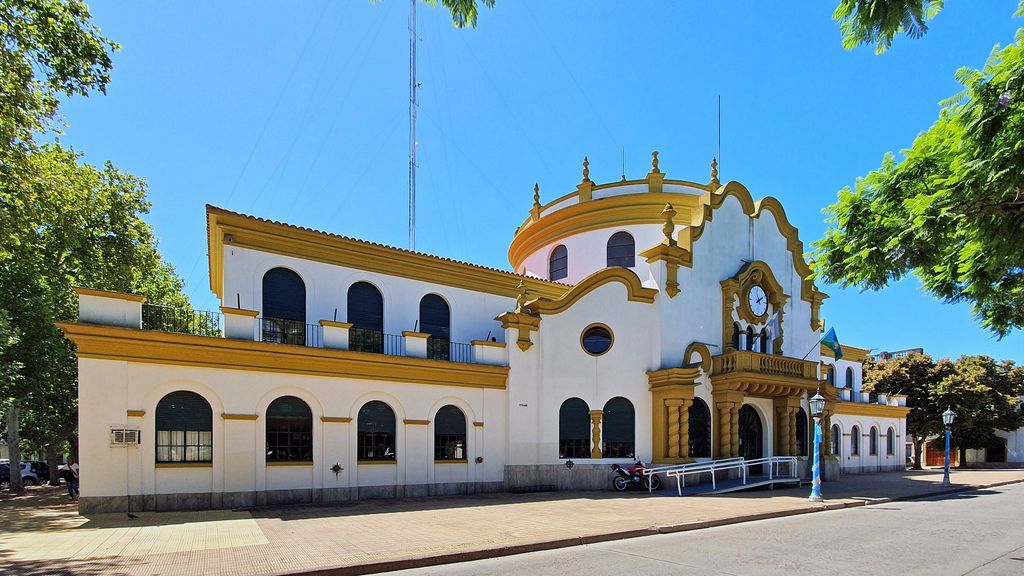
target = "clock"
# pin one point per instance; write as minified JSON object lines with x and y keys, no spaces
{"x":757,"y":300}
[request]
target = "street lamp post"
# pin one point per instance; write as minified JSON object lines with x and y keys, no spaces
{"x":817,"y":408}
{"x":947,"y":420}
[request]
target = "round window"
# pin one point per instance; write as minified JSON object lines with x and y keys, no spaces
{"x":596,"y":340}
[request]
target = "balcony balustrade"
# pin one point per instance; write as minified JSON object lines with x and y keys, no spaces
{"x":749,"y":361}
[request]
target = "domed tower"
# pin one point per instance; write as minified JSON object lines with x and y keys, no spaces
{"x":602,"y":225}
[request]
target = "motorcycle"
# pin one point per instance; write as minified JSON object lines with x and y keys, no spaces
{"x":634,"y":475}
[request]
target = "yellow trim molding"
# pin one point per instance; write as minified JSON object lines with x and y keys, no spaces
{"x":337,"y":419}
{"x":412,"y":422}
{"x":524,"y":323}
{"x":876,"y":410}
{"x":478,"y":424}
{"x":487,"y":343}
{"x":108,"y":294}
{"x":136,"y":413}
{"x":290,"y":463}
{"x":227,"y":416}
{"x":635,"y":291}
{"x":239,"y":311}
{"x":463,"y":461}
{"x":411,"y":334}
{"x":851,"y":353}
{"x":226,"y":228}
{"x":597,"y":325}
{"x":184,"y":465}
{"x":705,"y":355}
{"x":377,"y":462}
{"x":147,"y":346}
{"x":333,"y":324}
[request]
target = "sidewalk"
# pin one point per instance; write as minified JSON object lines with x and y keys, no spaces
{"x":42,"y":533}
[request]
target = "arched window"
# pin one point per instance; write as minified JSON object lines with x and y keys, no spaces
{"x":737,"y":337}
{"x":751,"y":341}
{"x":849,"y":378}
{"x":873,"y":442}
{"x":801,"y":432}
{"x":435,"y":319}
{"x":289,"y":430}
{"x":621,"y":250}
{"x":831,"y":376}
{"x":855,"y":441}
{"x":837,"y":435}
{"x":558,"y":263}
{"x":574,"y":429}
{"x":376,"y":432}
{"x":449,"y":434}
{"x":618,"y":429}
{"x":366,"y":314}
{"x":765,"y":342}
{"x":890,"y":442}
{"x":700,"y":429}
{"x":284,"y":307}
{"x":184,"y":428}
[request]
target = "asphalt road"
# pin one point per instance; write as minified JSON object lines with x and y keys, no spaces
{"x":976,"y":533}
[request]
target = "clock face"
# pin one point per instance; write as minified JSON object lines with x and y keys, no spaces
{"x":757,"y":300}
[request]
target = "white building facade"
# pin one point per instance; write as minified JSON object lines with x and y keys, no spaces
{"x":635,"y":324}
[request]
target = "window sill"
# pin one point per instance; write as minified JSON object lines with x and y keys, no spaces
{"x":184,"y":464}
{"x":376,"y":462}
{"x":451,"y":461}
{"x":290,"y":463}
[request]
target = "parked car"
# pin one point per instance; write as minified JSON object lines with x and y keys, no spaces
{"x":28,"y":477}
{"x":41,"y":470}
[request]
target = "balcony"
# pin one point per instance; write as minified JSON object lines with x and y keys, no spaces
{"x":767,"y":364}
{"x":298,"y":333}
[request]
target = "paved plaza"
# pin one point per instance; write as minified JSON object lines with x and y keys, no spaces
{"x":42,"y":533}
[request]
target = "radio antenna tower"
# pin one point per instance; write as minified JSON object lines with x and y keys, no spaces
{"x":412,"y":124}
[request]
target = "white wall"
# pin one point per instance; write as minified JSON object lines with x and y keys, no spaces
{"x":865,"y":461}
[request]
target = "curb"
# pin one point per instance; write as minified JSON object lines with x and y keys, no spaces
{"x":468,"y":556}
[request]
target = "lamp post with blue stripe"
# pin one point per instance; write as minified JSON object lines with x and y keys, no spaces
{"x":947,"y":420}
{"x":817,"y":408}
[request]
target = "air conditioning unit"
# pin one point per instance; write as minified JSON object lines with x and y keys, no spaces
{"x":123,"y":437}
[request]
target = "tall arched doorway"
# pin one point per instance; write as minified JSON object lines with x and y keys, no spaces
{"x":751,"y":436}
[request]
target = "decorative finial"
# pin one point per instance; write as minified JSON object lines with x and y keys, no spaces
{"x":654,"y":162}
{"x":714,"y":170}
{"x":536,"y":194}
{"x":586,"y":169}
{"x":521,"y":298}
{"x":669,"y":227}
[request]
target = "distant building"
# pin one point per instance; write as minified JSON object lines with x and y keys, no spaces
{"x":886,"y":356}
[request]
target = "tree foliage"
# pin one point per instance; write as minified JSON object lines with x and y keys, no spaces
{"x":464,"y":12}
{"x":952,"y":211}
{"x":984,"y":393}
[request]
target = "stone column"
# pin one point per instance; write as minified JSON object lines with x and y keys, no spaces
{"x":595,"y":421}
{"x":672,"y":432}
{"x":725,"y":446}
{"x":684,"y":428}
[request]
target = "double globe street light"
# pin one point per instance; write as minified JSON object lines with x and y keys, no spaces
{"x":947,"y":420}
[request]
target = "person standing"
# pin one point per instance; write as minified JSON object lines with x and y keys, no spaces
{"x":72,"y":477}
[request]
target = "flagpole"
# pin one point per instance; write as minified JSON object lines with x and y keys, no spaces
{"x":816,"y":344}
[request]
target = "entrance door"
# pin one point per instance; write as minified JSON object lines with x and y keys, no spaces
{"x":751,"y":437}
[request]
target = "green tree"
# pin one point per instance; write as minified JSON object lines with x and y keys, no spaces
{"x":952,"y":212}
{"x":464,"y":12}
{"x":917,"y":376}
{"x":985,"y":395}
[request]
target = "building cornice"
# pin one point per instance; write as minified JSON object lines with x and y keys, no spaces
{"x":635,"y":291}
{"x":152,"y":347}
{"x":876,"y":410}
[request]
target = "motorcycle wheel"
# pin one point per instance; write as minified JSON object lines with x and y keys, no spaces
{"x":653,"y":482}
{"x":620,"y":483}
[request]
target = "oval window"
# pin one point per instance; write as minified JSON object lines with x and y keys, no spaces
{"x":596,"y":340}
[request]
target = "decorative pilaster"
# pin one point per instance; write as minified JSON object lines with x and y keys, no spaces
{"x":669,"y":252}
{"x":684,"y":428}
{"x":673,"y":405}
{"x":595,"y":421}
{"x":734,"y":428}
{"x":724,"y":429}
{"x":521,"y":320}
{"x":671,"y":396}
{"x":785,"y":434}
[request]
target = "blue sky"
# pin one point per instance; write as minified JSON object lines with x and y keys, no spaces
{"x":300,"y":115}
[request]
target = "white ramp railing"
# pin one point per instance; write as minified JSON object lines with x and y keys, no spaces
{"x":775,"y":466}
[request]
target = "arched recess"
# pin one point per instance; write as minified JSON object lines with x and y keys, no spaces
{"x":184,"y":428}
{"x":618,"y":433}
{"x":855,"y":441}
{"x":284,"y":307}
{"x":574,"y":429}
{"x":376,"y":432}
{"x":873,"y":441}
{"x":837,"y":439}
{"x":830,"y":375}
{"x":751,"y":436}
{"x":751,"y":339}
{"x":700,"y":429}
{"x":366,"y":314}
{"x":621,"y":250}
{"x":558,"y":263}
{"x":802,"y":438}
{"x":289,"y":430}
{"x":849,"y":379}
{"x":450,"y":434}
{"x":436,"y":320}
{"x":890,"y":442}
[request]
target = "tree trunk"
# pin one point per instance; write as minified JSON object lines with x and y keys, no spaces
{"x":51,"y":461}
{"x":918,"y":448}
{"x":13,"y":440}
